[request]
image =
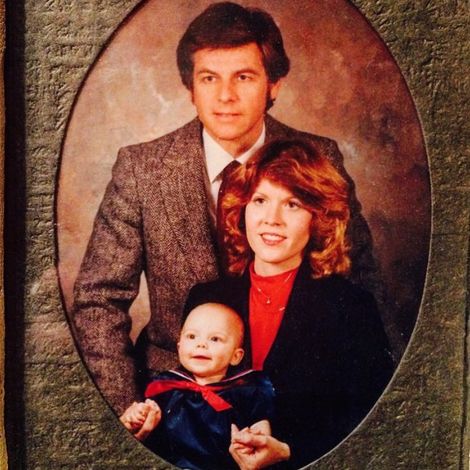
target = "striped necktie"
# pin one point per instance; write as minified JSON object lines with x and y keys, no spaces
{"x":226,"y":174}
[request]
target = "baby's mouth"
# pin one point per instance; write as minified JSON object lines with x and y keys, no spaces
{"x":201,"y":357}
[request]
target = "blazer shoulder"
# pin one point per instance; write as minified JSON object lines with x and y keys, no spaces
{"x":342,"y":290}
{"x":157,"y":148}
{"x":343,"y":299}
{"x":278,"y":130}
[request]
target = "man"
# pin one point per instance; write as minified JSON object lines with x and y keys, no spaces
{"x":158,"y":214}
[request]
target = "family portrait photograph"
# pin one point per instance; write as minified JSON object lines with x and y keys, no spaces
{"x":233,"y":247}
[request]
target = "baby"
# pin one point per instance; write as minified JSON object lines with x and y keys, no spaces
{"x":198,"y":403}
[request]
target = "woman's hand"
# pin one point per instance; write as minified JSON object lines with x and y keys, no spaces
{"x":141,"y":418}
{"x":253,"y":450}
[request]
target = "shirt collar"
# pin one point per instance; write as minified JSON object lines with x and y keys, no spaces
{"x":217,"y":158}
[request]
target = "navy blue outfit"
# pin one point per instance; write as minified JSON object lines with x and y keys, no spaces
{"x":192,"y":434}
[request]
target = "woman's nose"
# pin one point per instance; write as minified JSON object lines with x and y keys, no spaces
{"x":273,"y":215}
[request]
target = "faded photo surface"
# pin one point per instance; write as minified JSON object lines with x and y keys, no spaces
{"x":343,"y":84}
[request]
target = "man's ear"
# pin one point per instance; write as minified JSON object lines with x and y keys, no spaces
{"x":274,"y":89}
{"x":237,"y":357}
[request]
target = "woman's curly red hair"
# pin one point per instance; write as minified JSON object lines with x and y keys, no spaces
{"x":299,"y":167}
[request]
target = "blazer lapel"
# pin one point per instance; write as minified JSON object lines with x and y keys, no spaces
{"x":184,"y":191}
{"x":293,"y":325}
{"x":274,"y":129}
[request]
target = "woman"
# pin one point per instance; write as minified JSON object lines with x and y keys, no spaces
{"x":317,"y":336}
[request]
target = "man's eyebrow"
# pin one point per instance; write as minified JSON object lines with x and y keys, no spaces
{"x":236,"y":72}
{"x":206,"y":71}
{"x":247,"y":70}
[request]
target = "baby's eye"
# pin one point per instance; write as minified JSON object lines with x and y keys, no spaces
{"x":216,"y":339}
{"x":190,"y":336}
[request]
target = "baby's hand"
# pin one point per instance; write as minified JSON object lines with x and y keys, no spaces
{"x":141,"y":418}
{"x":134,"y":417}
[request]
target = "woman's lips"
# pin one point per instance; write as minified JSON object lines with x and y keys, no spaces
{"x":272,"y":238}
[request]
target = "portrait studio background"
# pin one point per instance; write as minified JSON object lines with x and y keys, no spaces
{"x":343,"y":84}
{"x":60,"y":415}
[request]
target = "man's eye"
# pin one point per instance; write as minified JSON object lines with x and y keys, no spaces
{"x":244,"y":78}
{"x":208,"y":79}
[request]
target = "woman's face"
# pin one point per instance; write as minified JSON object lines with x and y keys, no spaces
{"x":277,"y":228}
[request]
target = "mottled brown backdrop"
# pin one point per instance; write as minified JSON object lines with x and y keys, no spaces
{"x":343,"y":84}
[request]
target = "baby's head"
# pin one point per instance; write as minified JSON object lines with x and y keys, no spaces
{"x":211,"y":340}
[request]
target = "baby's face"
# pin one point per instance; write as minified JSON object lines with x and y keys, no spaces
{"x":210,"y":341}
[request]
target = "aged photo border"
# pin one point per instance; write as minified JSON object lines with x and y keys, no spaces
{"x":63,"y":421}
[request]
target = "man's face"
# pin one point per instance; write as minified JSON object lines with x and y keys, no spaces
{"x":230,"y":91}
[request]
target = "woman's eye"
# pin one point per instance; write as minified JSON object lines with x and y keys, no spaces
{"x":258,"y":200}
{"x":294,"y":204}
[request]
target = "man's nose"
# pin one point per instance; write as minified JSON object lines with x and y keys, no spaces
{"x":227,"y":91}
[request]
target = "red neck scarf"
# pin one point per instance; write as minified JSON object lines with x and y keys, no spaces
{"x":207,"y":392}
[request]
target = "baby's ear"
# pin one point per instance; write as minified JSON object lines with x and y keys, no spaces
{"x":237,"y":357}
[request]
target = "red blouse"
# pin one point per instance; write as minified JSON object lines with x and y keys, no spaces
{"x":268,"y":299}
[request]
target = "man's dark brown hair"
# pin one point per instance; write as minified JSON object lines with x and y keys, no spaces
{"x":225,"y":25}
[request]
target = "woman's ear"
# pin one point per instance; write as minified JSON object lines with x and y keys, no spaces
{"x":237,"y":357}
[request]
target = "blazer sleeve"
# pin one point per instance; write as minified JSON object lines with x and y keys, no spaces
{"x":368,"y":364}
{"x":107,"y":284}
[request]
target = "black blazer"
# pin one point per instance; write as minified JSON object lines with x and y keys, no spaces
{"x":329,"y":363}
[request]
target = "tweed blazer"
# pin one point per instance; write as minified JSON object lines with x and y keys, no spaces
{"x":154,"y":218}
{"x":329,"y":363}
